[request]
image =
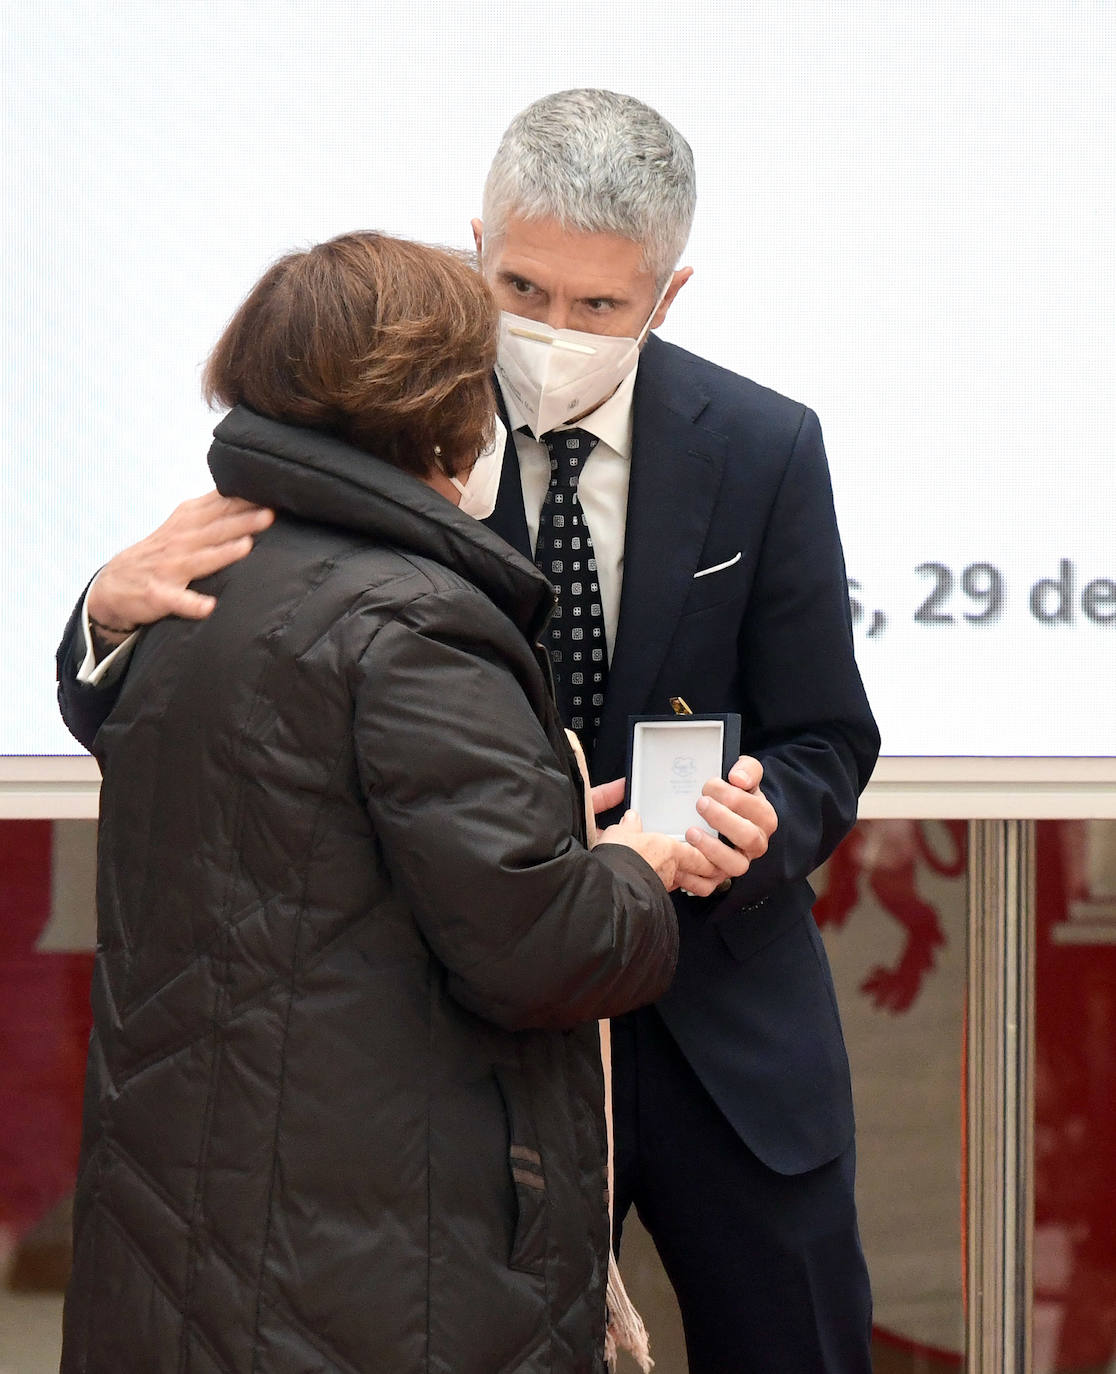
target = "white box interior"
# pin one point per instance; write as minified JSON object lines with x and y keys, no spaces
{"x":671,"y":759}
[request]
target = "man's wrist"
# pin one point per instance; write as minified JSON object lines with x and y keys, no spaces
{"x":106,"y":638}
{"x":111,"y":633}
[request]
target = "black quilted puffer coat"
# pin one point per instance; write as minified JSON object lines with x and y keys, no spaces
{"x":344,"y":1102}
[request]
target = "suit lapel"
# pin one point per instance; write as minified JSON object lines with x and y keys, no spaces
{"x":509,"y":520}
{"x":676,"y":474}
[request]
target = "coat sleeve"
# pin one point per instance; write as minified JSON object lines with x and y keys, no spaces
{"x":83,"y":708}
{"x":810,"y":724}
{"x":476,"y":816}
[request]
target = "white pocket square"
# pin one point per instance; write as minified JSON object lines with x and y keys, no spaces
{"x":717,"y":567}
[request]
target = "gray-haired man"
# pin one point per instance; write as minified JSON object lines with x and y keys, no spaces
{"x":712,"y":569}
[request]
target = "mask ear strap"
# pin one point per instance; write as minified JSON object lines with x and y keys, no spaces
{"x":655,"y":310}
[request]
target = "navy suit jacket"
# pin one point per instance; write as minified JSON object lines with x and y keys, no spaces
{"x":723,"y":470}
{"x":722,"y":467}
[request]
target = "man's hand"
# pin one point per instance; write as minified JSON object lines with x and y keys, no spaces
{"x":606,"y":795}
{"x":737,"y":810}
{"x":740,"y":813}
{"x":150,"y":580}
{"x":691,"y":869}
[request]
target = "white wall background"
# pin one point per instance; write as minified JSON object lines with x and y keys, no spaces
{"x":907,"y":219}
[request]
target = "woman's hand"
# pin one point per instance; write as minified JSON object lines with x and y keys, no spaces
{"x":677,"y":863}
{"x":660,"y":851}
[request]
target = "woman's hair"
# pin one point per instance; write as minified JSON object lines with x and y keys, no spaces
{"x":386,"y":344}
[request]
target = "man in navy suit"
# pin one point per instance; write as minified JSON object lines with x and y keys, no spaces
{"x":721,"y":580}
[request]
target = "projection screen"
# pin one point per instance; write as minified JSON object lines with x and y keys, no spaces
{"x":907,"y":220}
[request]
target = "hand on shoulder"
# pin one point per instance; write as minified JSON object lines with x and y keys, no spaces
{"x":150,"y":580}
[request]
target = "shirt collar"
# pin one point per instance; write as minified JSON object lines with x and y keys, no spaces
{"x":611,"y":422}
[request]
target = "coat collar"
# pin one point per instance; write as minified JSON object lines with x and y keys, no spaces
{"x":314,"y":476}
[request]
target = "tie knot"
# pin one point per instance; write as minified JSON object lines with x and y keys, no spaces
{"x":569,"y":449}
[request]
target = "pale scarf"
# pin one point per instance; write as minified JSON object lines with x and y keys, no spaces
{"x":625,"y":1329}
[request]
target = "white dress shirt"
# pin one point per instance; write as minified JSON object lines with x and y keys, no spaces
{"x":92,"y":673}
{"x":602,"y":488}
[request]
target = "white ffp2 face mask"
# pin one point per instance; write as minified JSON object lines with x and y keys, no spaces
{"x":556,"y":375}
{"x":480,"y":489}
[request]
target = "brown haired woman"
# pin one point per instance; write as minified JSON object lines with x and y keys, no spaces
{"x":343,"y":1106}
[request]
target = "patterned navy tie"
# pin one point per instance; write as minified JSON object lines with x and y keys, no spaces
{"x":564,"y":552}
